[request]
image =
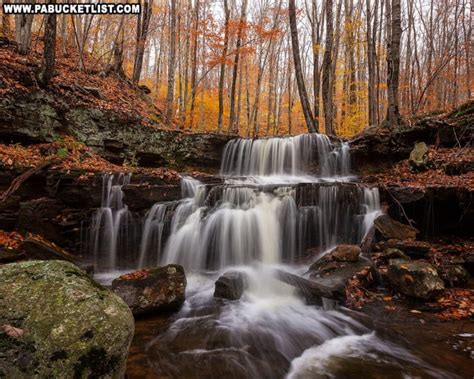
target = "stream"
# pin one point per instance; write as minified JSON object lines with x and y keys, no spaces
{"x":278,"y":198}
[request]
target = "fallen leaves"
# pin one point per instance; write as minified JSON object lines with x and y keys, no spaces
{"x":10,"y":240}
{"x":400,"y":174}
{"x":457,"y":304}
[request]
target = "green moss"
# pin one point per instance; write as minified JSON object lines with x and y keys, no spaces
{"x":65,"y":316}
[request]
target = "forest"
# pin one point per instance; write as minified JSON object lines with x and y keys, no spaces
{"x":236,"y":189}
{"x":263,"y":68}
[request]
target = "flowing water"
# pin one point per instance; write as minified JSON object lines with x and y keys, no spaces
{"x":281,"y":198}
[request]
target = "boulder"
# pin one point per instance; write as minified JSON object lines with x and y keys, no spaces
{"x":341,"y":253}
{"x":153,"y":289}
{"x":454,"y":275}
{"x":389,"y":228}
{"x":419,"y":159}
{"x":414,"y":249}
{"x":231,"y":285}
{"x":414,"y":278}
{"x":55,"y":322}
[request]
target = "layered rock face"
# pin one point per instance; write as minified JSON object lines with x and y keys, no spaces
{"x":57,"y":322}
{"x":40,"y":117}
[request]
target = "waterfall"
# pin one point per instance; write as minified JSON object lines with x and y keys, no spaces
{"x":110,"y":232}
{"x":243,"y":221}
{"x":285,"y":156}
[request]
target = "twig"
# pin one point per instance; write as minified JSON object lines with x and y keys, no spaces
{"x":400,"y":205}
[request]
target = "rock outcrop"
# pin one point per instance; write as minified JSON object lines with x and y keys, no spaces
{"x":57,"y":322}
{"x":38,"y":116}
{"x":152,"y":290}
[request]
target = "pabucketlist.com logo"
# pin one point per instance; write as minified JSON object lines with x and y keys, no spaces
{"x":71,"y":8}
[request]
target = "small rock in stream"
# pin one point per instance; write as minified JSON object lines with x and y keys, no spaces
{"x":231,"y":285}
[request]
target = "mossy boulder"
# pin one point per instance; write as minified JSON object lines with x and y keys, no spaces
{"x":70,"y":326}
{"x":419,"y":157}
{"x":414,"y":278}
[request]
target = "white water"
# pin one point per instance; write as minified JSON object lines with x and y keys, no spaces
{"x":262,"y":218}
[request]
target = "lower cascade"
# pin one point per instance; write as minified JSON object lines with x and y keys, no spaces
{"x":281,"y":202}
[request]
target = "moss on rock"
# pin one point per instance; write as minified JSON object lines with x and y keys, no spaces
{"x":73,"y":327}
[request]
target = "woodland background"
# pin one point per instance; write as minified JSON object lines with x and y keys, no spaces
{"x":271,"y":67}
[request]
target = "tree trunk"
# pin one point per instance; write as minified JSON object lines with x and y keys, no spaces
{"x":393,"y":60}
{"x":171,"y":66}
{"x":143,"y":22}
{"x":222,"y":68}
{"x":371,"y":59}
{"x":23,"y":24}
{"x":232,"y":119}
{"x":327,"y":83}
{"x":49,"y":56}
{"x":308,"y":114}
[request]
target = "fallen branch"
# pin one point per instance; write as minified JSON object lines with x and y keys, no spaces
{"x":18,"y":181}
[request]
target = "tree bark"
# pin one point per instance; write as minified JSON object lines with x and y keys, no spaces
{"x":49,"y":55}
{"x":327,"y":82}
{"x":308,"y":114}
{"x":143,"y":23}
{"x":23,"y":24}
{"x":232,"y":119}
{"x":171,"y":66}
{"x":222,"y":68}
{"x":394,"y":32}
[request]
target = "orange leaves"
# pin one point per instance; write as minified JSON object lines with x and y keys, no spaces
{"x":10,"y":240}
{"x":458,"y":303}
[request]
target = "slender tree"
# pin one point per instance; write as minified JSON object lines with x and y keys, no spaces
{"x":308,"y":114}
{"x":171,"y":65}
{"x":143,"y":23}
{"x":223,"y":65}
{"x":49,"y":55}
{"x":394,"y":32}
{"x":327,"y":83}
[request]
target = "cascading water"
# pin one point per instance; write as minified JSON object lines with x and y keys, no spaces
{"x":110,"y":233}
{"x":270,"y":210}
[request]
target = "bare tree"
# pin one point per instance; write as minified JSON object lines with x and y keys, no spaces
{"x":171,"y":65}
{"x":308,"y":114}
{"x":327,"y":84}
{"x":394,"y":32}
{"x":49,"y":56}
{"x":143,"y":23}
{"x":223,"y":64}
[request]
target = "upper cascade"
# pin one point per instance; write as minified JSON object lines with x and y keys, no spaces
{"x":290,"y":156}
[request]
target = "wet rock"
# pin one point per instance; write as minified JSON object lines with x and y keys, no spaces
{"x":394,"y":253}
{"x":454,"y":275}
{"x":414,"y":278}
{"x":414,"y":249}
{"x":66,"y":324}
{"x":231,"y":285}
{"x":152,"y":290}
{"x":389,"y":228}
{"x":336,"y":278}
{"x":419,"y":157}
{"x":341,"y":253}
